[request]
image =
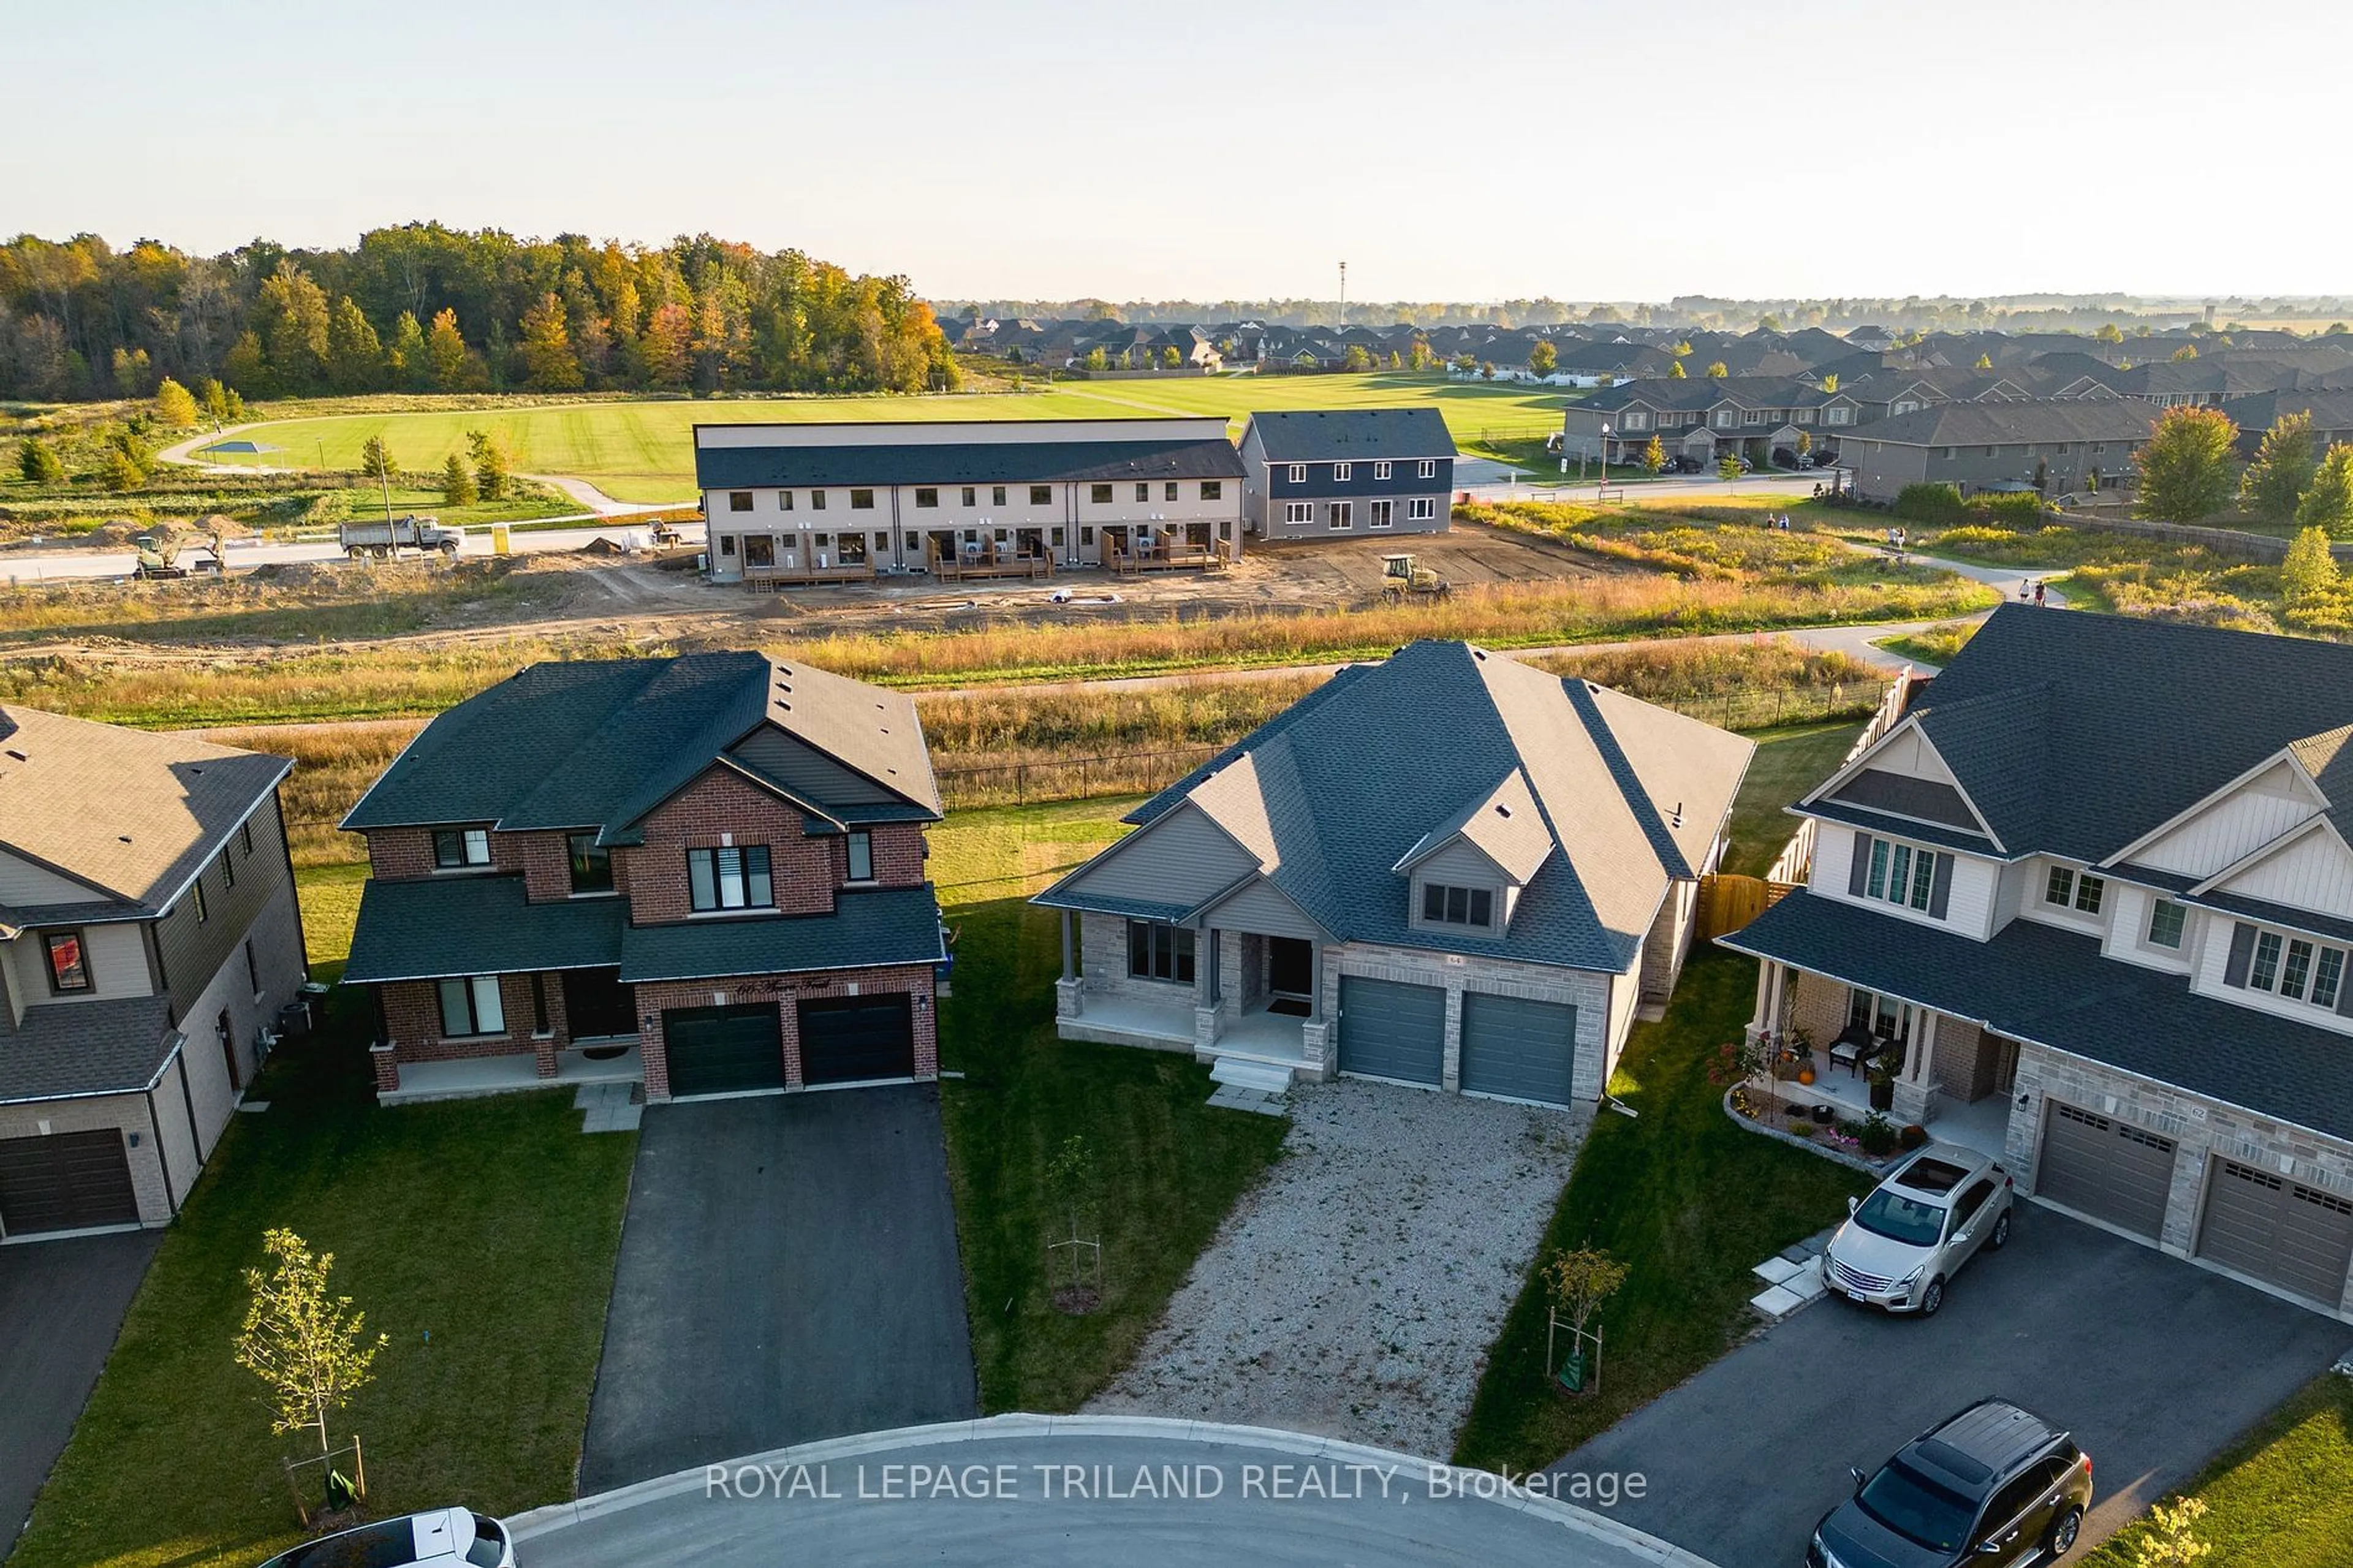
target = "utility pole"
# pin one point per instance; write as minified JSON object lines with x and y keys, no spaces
{"x":1344,"y":294}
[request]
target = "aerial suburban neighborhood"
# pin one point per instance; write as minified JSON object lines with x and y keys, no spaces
{"x":969,"y":866}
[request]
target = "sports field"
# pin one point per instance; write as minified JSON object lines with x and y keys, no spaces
{"x":644,"y":451}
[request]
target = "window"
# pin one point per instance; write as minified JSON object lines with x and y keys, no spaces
{"x":726,"y":544}
{"x":1421,"y":509}
{"x":1086,"y":536}
{"x":739,"y":500}
{"x":1381,"y":470}
{"x":68,"y":962}
{"x":2265,"y":974}
{"x":1340,"y":516}
{"x":1883,"y":1016}
{"x":817,"y":500}
{"x":1632,"y":420}
{"x":971,"y":496}
{"x":1099,"y":494}
{"x":592,"y":865}
{"x":1169,"y":490}
{"x":784,"y":501}
{"x":2083,"y":893}
{"x":1457,"y":906}
{"x":197,"y":892}
{"x":2166,"y":921}
{"x":2327,"y":977}
{"x":926,"y":496}
{"x":1041,"y":495}
{"x":1213,"y":489}
{"x":861,"y":500}
{"x":731,"y":879}
{"x":996,"y":494}
{"x":1298,"y":511}
{"x":1834,"y":415}
{"x":1297,"y":474}
{"x":1724,"y":418}
{"x":470,"y":1007}
{"x":1429,"y":467}
{"x":1752,"y":417}
{"x":862,"y":857}
{"x":252,"y":967}
{"x":1379,"y":514}
{"x":1901,"y":874}
{"x":229,"y":872}
{"x":245,"y":834}
{"x":1342,"y":473}
{"x":1993,"y":451}
{"x":1158,"y":950}
{"x":2296,"y":974}
{"x":457,"y":847}
{"x":1143,"y":492}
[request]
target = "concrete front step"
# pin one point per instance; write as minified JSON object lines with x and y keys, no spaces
{"x":1265,"y":1077}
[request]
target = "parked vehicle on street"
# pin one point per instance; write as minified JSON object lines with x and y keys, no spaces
{"x":445,"y":1538}
{"x":1933,"y":1213}
{"x":1995,"y":1484}
{"x":392,"y":535}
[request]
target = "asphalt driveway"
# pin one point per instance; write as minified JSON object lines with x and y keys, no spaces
{"x":789,"y":1272}
{"x":61,"y":1303}
{"x":2155,"y":1364}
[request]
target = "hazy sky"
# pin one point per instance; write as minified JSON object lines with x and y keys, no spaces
{"x":1465,"y":149}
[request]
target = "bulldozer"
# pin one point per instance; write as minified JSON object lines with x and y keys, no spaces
{"x":159,"y":551}
{"x":1404,"y":578}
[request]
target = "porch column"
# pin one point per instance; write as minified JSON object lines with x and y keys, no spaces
{"x":1070,"y":990}
{"x":1067,"y":974}
{"x":1915,"y":1085}
{"x":1204,"y":987}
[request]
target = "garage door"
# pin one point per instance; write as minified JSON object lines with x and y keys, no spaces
{"x":723,"y":1050}
{"x":845,"y":1039}
{"x":2266,"y":1226}
{"x":1392,"y":1030}
{"x":65,"y":1182}
{"x":2111,"y":1170}
{"x":1516,"y":1047}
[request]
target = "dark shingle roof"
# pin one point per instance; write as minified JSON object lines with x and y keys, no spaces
{"x":866,"y":930}
{"x":2053,"y":988}
{"x":2006,"y":423}
{"x":1343,"y":435}
{"x":596,"y":744}
{"x":1005,"y":462}
{"x":429,"y":928}
{"x":66,"y":1049}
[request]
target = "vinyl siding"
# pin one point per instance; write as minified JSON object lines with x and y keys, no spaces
{"x":2214,"y":952}
{"x":23,"y":883}
{"x":1263,"y":908}
{"x":2314,"y":873}
{"x":118,"y":966}
{"x":191,"y":951}
{"x":2127,"y":935}
{"x":1182,"y":858}
{"x":2232,"y":828}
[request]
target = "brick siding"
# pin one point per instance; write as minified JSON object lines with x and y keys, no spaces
{"x":714,"y":806}
{"x":738,"y":991}
{"x":412,"y":1018}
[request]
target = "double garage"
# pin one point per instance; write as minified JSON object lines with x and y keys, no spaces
{"x":2252,"y":1221}
{"x":1511,"y":1048}
{"x":741,"y":1049}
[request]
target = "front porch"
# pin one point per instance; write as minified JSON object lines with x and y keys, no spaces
{"x":1251,"y":1009}
{"x":464,"y":1078}
{"x":1943,"y":1073}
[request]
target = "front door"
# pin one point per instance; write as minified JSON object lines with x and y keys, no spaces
{"x":1290,"y":966}
{"x":596,"y":1006}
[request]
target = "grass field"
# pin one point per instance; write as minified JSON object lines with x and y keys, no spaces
{"x":645,"y":452}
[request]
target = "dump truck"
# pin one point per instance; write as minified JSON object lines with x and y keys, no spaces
{"x":361,"y":540}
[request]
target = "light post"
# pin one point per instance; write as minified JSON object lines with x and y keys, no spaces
{"x":1604,"y":454}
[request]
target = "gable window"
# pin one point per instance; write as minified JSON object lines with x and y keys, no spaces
{"x":1723,"y":418}
{"x":817,"y":500}
{"x":1298,"y":474}
{"x":731,"y":879}
{"x":1443,"y":905}
{"x":1911,"y":876}
{"x":472,"y":1006}
{"x":1159,"y":951}
{"x":68,"y":962}
{"x":2166,"y":922}
{"x":861,"y":500}
{"x":1421,"y":509}
{"x":1428,"y":468}
{"x":454,"y":848}
{"x":1381,"y":470}
{"x":1380,"y":514}
{"x":861,"y":855}
{"x":1634,"y":419}
{"x":1298,"y":511}
{"x":1099,"y":494}
{"x":927,"y":497}
{"x":2067,"y":889}
{"x":1835,"y":416}
{"x":1213,"y":489}
{"x":592,"y":865}
{"x":739,"y":500}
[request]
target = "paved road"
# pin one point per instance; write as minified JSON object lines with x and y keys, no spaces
{"x":788,"y":1271}
{"x":1326,"y":1505}
{"x":2154,"y":1364}
{"x":21,"y":565}
{"x":61,"y":1303}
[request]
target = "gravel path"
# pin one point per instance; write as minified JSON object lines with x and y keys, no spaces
{"x":1354,"y":1293}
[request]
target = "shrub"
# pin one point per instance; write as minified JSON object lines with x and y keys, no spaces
{"x":1877,"y":1135}
{"x":1939,"y":506}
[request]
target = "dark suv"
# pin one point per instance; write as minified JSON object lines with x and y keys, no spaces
{"x":1994,"y":1485}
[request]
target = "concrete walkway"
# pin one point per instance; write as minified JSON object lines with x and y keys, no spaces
{"x":1080,"y":1490}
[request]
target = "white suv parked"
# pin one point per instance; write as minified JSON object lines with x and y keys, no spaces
{"x":1900,"y":1245}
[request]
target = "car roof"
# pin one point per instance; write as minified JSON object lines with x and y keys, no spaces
{"x":441,"y":1535}
{"x":1975,"y":1448}
{"x":1940,"y":1168}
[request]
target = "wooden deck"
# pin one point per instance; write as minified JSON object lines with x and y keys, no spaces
{"x":1172,"y":558}
{"x":768,"y":579}
{"x":989,"y":562}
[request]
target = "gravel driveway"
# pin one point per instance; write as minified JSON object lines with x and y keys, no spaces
{"x":1356,"y":1293}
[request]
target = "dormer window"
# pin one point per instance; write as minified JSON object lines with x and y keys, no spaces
{"x":1443,"y":905}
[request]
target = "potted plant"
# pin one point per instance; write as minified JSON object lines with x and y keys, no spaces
{"x":1882,"y":1084}
{"x":1801,"y":1051}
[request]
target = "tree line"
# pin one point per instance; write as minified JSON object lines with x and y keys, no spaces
{"x":423,"y":307}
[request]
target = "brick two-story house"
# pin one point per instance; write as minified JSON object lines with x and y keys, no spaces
{"x":149,"y":949}
{"x":2093,"y":894}
{"x":710,"y":869}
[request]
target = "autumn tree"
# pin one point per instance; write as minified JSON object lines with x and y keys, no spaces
{"x":665,"y":347}
{"x":1675,"y":372}
{"x":455,"y":365}
{"x":2309,"y":572}
{"x":1356,"y":358}
{"x":1654,"y":456}
{"x":2185,"y":465}
{"x":310,"y":1348}
{"x":1095,"y":359}
{"x":1543,"y":359}
{"x":175,"y":405}
{"x":1717,"y":370}
{"x":294,"y":329}
{"x":1170,"y":359}
{"x":2275,"y":482}
{"x":549,"y":363}
{"x":2327,"y":502}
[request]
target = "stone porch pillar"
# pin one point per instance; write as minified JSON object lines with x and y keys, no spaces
{"x":1315,"y":1033}
{"x":1915,"y":1085}
{"x":1070,"y":990}
{"x":1204,"y":989}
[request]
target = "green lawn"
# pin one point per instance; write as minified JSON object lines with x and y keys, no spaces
{"x":1688,"y":1200}
{"x":644,"y":451}
{"x":2281,"y":1497}
{"x":1789,"y":763}
{"x":1167,"y":1167}
{"x":478,"y":1235}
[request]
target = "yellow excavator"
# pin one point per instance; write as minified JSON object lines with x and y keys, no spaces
{"x":159,"y":551}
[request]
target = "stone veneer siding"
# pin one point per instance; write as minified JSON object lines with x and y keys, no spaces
{"x":2202,"y":1129}
{"x":1586,"y":991}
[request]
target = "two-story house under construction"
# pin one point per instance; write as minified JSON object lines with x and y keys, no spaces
{"x":708,"y":869}
{"x":1342,"y":473}
{"x":2091,"y":895}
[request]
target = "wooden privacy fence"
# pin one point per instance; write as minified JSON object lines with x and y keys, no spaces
{"x":1728,"y":902}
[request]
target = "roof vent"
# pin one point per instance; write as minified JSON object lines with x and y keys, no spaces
{"x":785,"y":706}
{"x":125,"y":837}
{"x":1678,"y":821}
{"x":18,"y":755}
{"x":1592,"y":688}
